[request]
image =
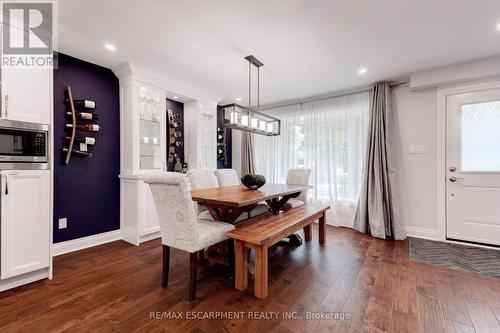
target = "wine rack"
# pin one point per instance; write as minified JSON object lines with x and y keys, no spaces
{"x":89,"y":119}
{"x":221,"y":141}
{"x":175,"y":141}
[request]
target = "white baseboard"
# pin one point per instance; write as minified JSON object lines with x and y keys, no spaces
{"x":23,"y":279}
{"x":85,"y":242}
{"x":424,"y":233}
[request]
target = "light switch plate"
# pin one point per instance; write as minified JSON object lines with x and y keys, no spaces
{"x":418,"y":150}
{"x":63,"y":223}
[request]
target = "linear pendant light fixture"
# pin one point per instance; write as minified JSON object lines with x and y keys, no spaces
{"x":246,"y":119}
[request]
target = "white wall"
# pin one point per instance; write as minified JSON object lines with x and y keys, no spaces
{"x":236,"y":150}
{"x":415,"y":118}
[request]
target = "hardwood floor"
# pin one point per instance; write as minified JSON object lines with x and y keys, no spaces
{"x":114,"y":287}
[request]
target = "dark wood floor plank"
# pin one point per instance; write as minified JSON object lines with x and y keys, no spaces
{"x":430,"y":314}
{"x":482,"y":317}
{"x":454,"y":327}
{"x":115,"y":286}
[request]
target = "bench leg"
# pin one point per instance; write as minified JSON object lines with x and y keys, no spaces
{"x":241,"y":270}
{"x":322,"y":222}
{"x":307,"y":233}
{"x":261,"y":272}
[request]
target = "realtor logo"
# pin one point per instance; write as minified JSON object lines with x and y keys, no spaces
{"x":27,"y":37}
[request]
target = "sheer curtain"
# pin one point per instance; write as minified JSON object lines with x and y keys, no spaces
{"x":329,"y":137}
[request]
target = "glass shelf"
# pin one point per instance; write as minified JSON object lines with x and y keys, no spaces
{"x":150,"y":124}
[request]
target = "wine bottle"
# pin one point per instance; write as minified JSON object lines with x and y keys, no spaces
{"x":179,"y":143}
{"x":83,"y":139}
{"x":176,"y":124}
{"x":87,"y":127}
{"x":219,"y":137}
{"x":85,"y":115}
{"x":220,"y":151}
{"x":84,"y":103}
{"x":78,"y":152}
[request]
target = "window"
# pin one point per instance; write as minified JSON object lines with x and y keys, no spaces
{"x":330,"y":138}
{"x":481,"y":136}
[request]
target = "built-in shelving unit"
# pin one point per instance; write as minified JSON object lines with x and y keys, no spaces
{"x":151,"y":122}
{"x":147,"y":139}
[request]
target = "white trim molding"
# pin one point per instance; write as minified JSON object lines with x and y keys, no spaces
{"x":442,"y":95}
{"x":85,"y":242}
{"x":424,"y":233}
{"x":464,"y":72}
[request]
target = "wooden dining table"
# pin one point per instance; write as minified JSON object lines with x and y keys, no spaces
{"x":226,"y":204}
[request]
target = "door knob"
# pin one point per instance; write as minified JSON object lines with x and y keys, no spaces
{"x":454,"y":179}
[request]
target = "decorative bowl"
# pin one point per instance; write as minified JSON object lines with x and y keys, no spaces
{"x":253,"y":182}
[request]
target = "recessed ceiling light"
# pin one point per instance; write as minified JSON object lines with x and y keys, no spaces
{"x":110,"y":47}
{"x":239,"y":99}
{"x":176,"y":97}
{"x":498,"y":26}
{"x":143,"y":89}
{"x":362,"y":70}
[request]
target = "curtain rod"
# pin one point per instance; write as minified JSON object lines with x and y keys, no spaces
{"x":314,"y":99}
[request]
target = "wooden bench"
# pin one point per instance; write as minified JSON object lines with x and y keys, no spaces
{"x":264,"y":231}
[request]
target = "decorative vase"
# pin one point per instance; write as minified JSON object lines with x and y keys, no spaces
{"x":253,"y":182}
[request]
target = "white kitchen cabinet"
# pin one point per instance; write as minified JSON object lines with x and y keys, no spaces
{"x":26,"y":94}
{"x":25,"y":221}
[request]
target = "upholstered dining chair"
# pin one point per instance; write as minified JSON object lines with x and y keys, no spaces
{"x":298,"y":176}
{"x":201,"y":179}
{"x":229,"y":177}
{"x":179,"y":225}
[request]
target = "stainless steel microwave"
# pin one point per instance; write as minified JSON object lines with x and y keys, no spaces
{"x":23,"y":145}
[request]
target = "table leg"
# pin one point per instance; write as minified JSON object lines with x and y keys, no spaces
{"x":261,"y":272}
{"x":241,"y":271}
{"x":225,"y":214}
{"x":276,"y":204}
{"x":322,"y":223}
{"x":307,"y":232}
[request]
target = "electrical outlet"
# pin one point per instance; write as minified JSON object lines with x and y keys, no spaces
{"x":63,"y":223}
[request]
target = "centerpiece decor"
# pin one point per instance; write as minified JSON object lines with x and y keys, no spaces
{"x":253,"y":182}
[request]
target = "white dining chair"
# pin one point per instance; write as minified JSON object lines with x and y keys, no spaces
{"x":180,"y":228}
{"x":298,"y":176}
{"x":229,"y":177}
{"x":201,"y":179}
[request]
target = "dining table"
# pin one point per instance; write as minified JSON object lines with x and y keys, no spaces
{"x":226,"y":204}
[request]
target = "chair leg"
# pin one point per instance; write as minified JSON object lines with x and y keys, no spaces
{"x":193,"y":278}
{"x":203,"y":261}
{"x":165,"y":266}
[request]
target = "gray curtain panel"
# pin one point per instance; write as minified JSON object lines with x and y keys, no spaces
{"x":377,"y":212}
{"x":247,"y":158}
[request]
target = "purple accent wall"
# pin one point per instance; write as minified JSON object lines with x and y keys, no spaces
{"x":87,"y":191}
{"x":177,"y":108}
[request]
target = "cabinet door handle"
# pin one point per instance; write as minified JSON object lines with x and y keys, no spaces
{"x":6,"y":104}
{"x":6,"y":184}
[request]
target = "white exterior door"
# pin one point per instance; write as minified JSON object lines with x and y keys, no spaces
{"x":473,"y":167}
{"x":25,"y":224}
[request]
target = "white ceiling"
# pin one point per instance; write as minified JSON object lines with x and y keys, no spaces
{"x":308,"y":47}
